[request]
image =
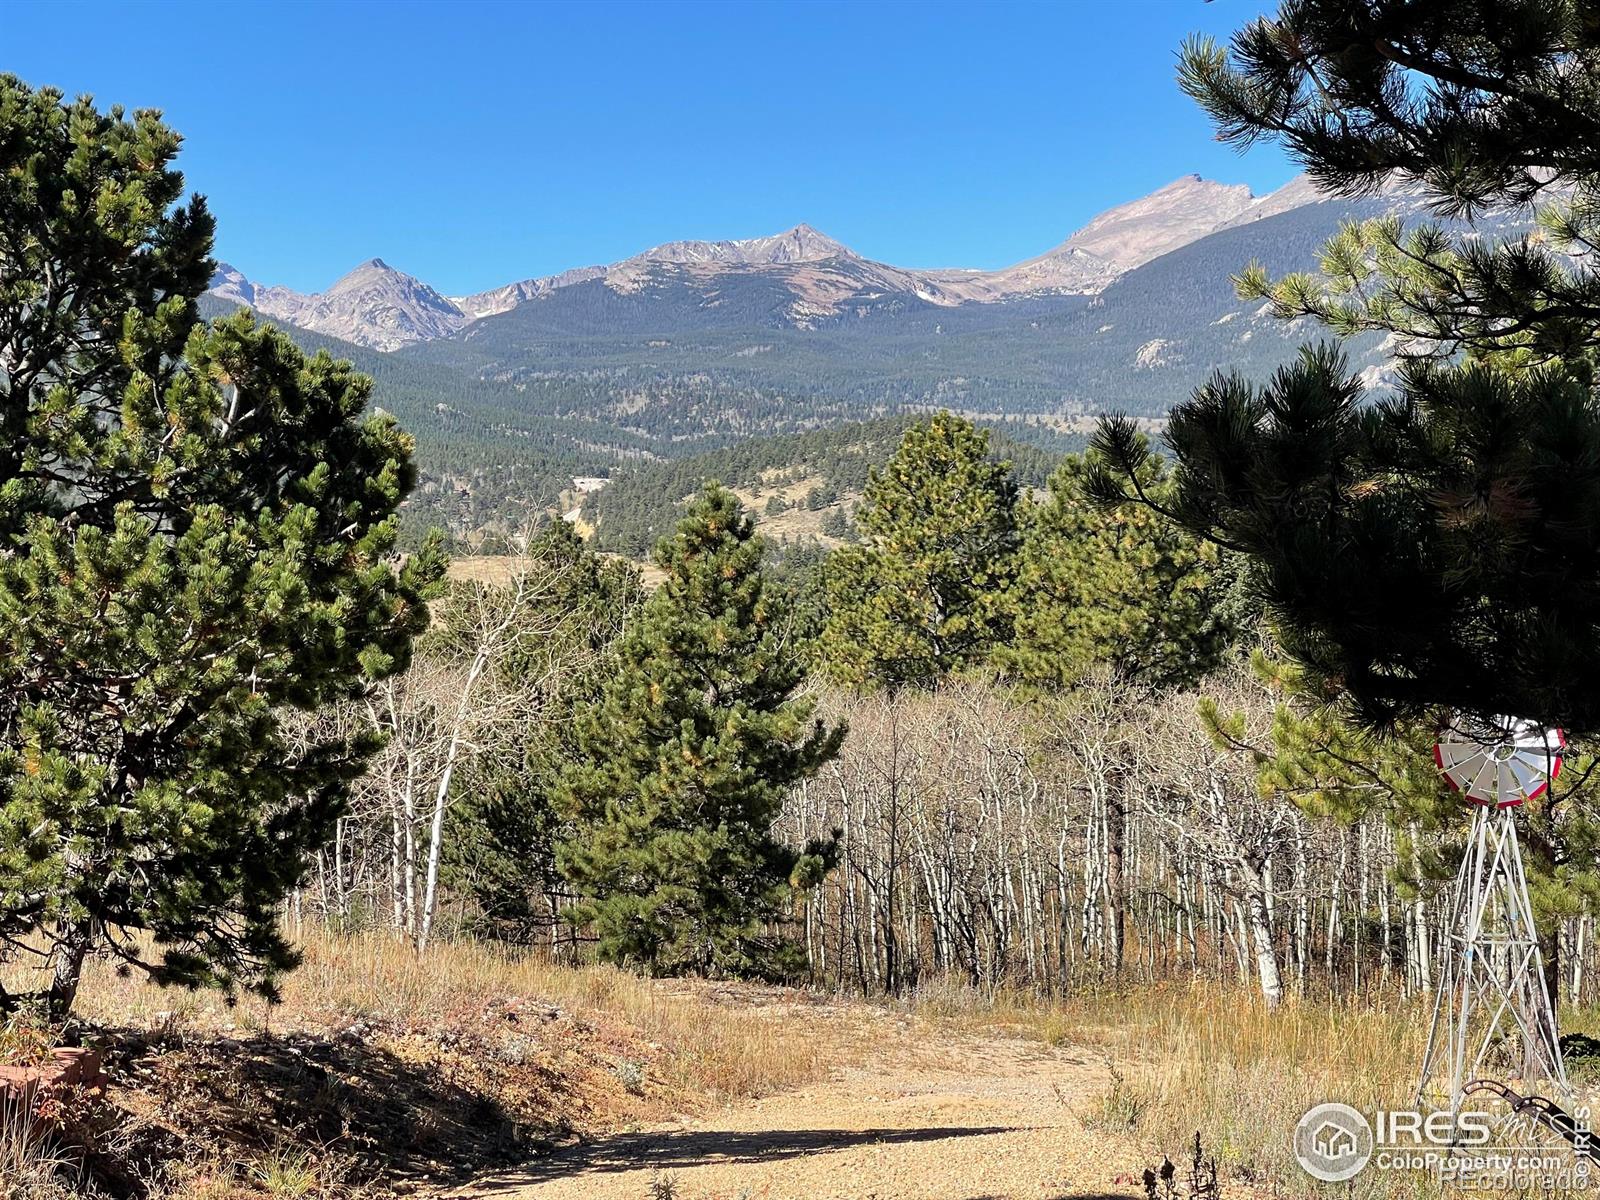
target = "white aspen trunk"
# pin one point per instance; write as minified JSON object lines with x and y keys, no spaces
{"x":1575,"y":993}
{"x":1239,"y":935}
{"x":1424,"y":950}
{"x":430,"y":895}
{"x":1363,"y":870}
{"x":1063,"y":903}
{"x":1302,"y":906}
{"x":339,"y":896}
{"x":1266,"y":952}
{"x":1192,"y":899}
{"x":409,"y":809}
{"x":1091,"y":881}
{"x":1219,"y":927}
{"x":1181,"y":886}
{"x":1257,"y":914}
{"x":396,"y":849}
{"x":1269,"y":891}
{"x":1420,"y":916}
{"x":1333,"y":910}
{"x":1386,"y":920}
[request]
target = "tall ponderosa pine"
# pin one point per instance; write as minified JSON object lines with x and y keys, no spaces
{"x":928,"y":591}
{"x":1439,"y":549}
{"x":683,"y":761}
{"x":196,"y":525}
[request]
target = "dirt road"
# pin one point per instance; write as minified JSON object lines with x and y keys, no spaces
{"x":921,"y":1117}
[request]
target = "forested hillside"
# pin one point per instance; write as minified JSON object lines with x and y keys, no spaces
{"x":497,"y":454}
{"x":488,"y":457}
{"x":830,"y":465}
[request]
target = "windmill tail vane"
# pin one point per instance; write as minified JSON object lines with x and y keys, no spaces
{"x":1493,"y":1014}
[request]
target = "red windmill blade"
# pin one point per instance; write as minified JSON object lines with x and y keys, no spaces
{"x":1502,"y":765}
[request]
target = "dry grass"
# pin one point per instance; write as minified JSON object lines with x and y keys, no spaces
{"x":1211,"y":1058}
{"x":797,"y":523}
{"x":380,"y":1066}
{"x":31,"y":1167}
{"x":710,"y":1052}
{"x":496,"y":570}
{"x":560,"y":1050}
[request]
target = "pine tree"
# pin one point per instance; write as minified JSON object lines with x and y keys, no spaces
{"x":196,"y":535}
{"x":927,"y":592}
{"x":1124,"y":586}
{"x":1437,"y":549}
{"x":1488,"y":105}
{"x":682,"y":762}
{"x":836,"y":524}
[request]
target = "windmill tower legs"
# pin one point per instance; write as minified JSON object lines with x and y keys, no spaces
{"x":1493,"y":1016}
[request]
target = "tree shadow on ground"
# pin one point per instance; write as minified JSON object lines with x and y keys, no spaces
{"x":666,"y":1151}
{"x":175,"y":1096}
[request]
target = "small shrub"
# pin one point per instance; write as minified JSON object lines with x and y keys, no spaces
{"x":1120,"y":1108}
{"x":631,"y":1075}
{"x":25,"y":1040}
{"x":287,"y":1174}
{"x":1582,"y":1055}
{"x":515,"y":1050}
{"x":1162,"y":1183}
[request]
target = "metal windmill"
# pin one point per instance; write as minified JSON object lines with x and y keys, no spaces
{"x":1493,"y":1012}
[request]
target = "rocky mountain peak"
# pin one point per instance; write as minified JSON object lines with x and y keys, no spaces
{"x":229,"y":283}
{"x":373,"y":271}
{"x":802,"y":244}
{"x":1188,"y":208}
{"x":799,"y":244}
{"x":373,"y":305}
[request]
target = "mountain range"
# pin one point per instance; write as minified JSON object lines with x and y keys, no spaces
{"x":382,"y":308}
{"x":696,"y":345}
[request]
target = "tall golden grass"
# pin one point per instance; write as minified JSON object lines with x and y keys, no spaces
{"x":1213,"y":1059}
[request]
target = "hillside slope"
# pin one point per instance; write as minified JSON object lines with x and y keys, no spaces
{"x":641,"y":504}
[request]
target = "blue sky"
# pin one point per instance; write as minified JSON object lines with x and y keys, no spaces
{"x":477,"y":143}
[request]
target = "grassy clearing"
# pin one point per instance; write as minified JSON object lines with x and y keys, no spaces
{"x":711,"y":1054}
{"x":1213,"y":1059}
